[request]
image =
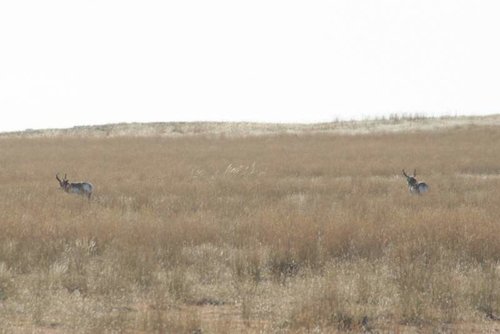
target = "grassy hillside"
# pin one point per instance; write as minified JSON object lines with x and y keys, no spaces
{"x":392,"y":124}
{"x":289,"y":231}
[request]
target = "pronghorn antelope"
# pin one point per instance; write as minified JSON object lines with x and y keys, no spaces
{"x":81,"y":188}
{"x":414,"y":186}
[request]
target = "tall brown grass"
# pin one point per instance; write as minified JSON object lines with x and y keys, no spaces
{"x":281,"y":233}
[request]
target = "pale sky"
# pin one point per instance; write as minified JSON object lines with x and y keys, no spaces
{"x":66,"y":63}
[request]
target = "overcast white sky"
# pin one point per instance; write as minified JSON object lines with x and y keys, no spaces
{"x":66,"y":63}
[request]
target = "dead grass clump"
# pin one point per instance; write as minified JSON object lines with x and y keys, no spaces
{"x":337,"y":301}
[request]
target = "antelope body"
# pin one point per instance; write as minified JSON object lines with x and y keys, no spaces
{"x":81,"y":188}
{"x":414,"y":186}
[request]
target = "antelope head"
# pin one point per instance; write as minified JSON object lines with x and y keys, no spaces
{"x":412,"y":181}
{"x":64,"y":182}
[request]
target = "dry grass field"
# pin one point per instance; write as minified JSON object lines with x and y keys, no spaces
{"x":272,"y":233}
